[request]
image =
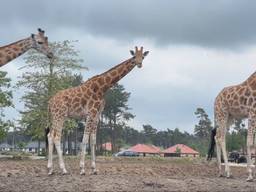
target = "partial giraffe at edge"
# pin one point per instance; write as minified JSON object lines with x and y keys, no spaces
{"x":35,"y":41}
{"x":234,"y":102}
{"x":85,"y":102}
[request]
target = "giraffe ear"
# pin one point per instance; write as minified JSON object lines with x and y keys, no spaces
{"x":145,"y":53}
{"x":132,"y":52}
{"x":33,"y":36}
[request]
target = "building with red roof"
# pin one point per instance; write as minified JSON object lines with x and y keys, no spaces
{"x":107,"y":146}
{"x":180,"y":150}
{"x":145,"y":149}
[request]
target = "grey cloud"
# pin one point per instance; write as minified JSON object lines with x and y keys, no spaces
{"x":214,"y":24}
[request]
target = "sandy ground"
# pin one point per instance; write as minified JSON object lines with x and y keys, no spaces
{"x":121,"y":174}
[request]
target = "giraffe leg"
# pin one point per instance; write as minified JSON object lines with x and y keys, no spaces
{"x":218,"y":151}
{"x":83,"y":149}
{"x":225,"y":157}
{"x":50,"y":151}
{"x":223,"y":124}
{"x":59,"y":151}
{"x":56,"y":136}
{"x":251,"y":125}
{"x":93,"y":146}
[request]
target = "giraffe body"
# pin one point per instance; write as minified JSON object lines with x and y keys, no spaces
{"x":14,"y":50}
{"x":85,"y":102}
{"x":235,"y":102}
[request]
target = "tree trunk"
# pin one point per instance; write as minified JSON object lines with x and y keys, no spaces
{"x":76,"y":140}
{"x":38,"y":147}
{"x":112,"y":136}
{"x":69,"y":143}
{"x":64,"y":143}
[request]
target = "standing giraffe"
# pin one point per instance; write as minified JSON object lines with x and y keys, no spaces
{"x":85,"y":102}
{"x":13,"y":50}
{"x":234,"y":102}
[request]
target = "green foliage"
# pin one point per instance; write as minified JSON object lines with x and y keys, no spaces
{"x":204,"y":127}
{"x":149,"y":134}
{"x":43,"y":79}
{"x":21,"y":145}
{"x":5,"y":101}
{"x":115,"y":116}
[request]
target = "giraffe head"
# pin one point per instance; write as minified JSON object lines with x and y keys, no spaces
{"x":40,"y":43}
{"x":138,"y":56}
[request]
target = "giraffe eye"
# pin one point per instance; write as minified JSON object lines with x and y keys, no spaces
{"x":39,"y":42}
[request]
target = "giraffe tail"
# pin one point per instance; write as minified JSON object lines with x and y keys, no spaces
{"x":212,"y":144}
{"x":47,"y":130}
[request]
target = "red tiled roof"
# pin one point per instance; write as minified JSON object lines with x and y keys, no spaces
{"x":142,"y":148}
{"x":183,"y":149}
{"x":107,"y":146}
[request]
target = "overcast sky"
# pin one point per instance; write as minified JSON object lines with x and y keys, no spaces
{"x":196,"y":48}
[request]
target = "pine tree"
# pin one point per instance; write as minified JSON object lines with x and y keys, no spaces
{"x":5,"y":101}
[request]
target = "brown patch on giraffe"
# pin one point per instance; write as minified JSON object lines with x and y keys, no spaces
{"x":241,"y":91}
{"x":90,"y":104}
{"x":94,"y":96}
{"x":8,"y":58}
{"x":76,"y":105}
{"x":236,"y":103}
{"x":113,"y":73}
{"x":243,"y":100}
{"x":79,"y":109}
{"x":236,"y":97}
{"x":247,"y":92}
{"x":1,"y":55}
{"x":120,"y":70}
{"x":94,"y":112}
{"x":115,"y":79}
{"x":250,"y":101}
{"x":96,"y":105}
{"x":83,"y":102}
{"x":15,"y":49}
{"x":105,"y":88}
{"x":253,"y":85}
{"x":108,"y":79}
{"x":76,"y":100}
{"x":94,"y":87}
{"x":101,"y":80}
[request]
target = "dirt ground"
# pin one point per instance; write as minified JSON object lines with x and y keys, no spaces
{"x":121,"y":174}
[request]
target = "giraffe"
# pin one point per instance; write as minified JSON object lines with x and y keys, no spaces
{"x":14,"y":50}
{"x":85,"y":102}
{"x":234,"y":102}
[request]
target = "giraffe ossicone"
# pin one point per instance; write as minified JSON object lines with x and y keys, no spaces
{"x":85,"y":102}
{"x":234,"y":102}
{"x":35,"y":41}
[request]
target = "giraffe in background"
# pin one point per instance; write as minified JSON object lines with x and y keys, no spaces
{"x":14,"y":50}
{"x":234,"y":102}
{"x":85,"y":102}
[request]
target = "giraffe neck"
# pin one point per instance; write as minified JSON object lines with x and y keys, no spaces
{"x":14,"y":50}
{"x":113,"y":75}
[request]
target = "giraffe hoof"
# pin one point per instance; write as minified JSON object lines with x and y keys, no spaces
{"x":220,"y":175}
{"x":64,"y":173}
{"x":94,"y":172}
{"x":82,"y":172}
{"x":249,"y":179}
{"x":50,"y":173}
